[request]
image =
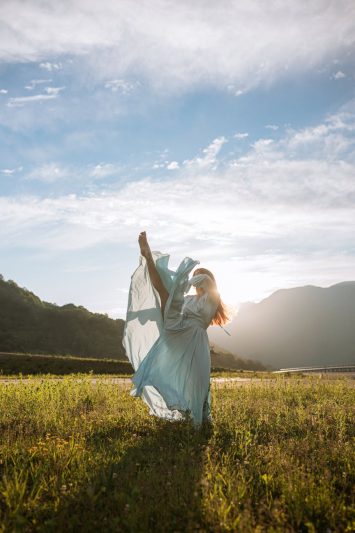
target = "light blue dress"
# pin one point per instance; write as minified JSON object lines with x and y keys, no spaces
{"x":171,"y":355}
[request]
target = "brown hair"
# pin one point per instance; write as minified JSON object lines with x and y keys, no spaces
{"x":221,"y":316}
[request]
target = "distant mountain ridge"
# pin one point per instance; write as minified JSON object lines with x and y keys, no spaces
{"x":292,"y":327}
{"x":299,"y":326}
{"x":222,"y":359}
{"x":27,"y":324}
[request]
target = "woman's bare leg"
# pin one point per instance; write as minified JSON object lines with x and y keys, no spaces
{"x":153,"y":273}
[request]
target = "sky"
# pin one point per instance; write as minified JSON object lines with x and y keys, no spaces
{"x":225,"y":129}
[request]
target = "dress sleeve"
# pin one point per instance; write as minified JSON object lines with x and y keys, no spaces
{"x":202,"y":280}
{"x":205,"y":282}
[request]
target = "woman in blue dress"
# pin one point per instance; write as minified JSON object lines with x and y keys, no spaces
{"x":165,"y":335}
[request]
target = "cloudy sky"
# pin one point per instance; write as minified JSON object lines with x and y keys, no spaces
{"x":225,"y":129}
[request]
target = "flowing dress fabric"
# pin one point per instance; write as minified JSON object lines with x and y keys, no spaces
{"x":171,"y":355}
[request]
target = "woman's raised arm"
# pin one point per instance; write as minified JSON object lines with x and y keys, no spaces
{"x":153,"y":273}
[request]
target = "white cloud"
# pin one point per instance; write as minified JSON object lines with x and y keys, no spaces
{"x":173,"y":165}
{"x":49,"y":173}
{"x":10,"y":171}
{"x":262,"y":146}
{"x":329,"y":140}
{"x":248,"y":208}
{"x":209,"y":158}
{"x":339,"y":75}
{"x":181,"y":45}
{"x":234,"y":90}
{"x":121,"y":86}
{"x":51,"y":93}
{"x":22,"y":100}
{"x":54,"y":172}
{"x":33,"y":84}
{"x":102,"y":170}
{"x":262,"y":199}
{"x":272,"y":127}
{"x":50,"y":67}
{"x":3,"y":91}
{"x":54,"y":90}
{"x":241,"y":135}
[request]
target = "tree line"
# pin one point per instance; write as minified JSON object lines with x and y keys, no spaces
{"x":28,"y":324}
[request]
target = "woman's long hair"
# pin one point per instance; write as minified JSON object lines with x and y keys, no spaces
{"x":221,"y":316}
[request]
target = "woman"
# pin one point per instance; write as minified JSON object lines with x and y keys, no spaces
{"x":165,"y":335}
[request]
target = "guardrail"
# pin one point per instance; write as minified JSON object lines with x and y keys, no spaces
{"x":348,"y":367}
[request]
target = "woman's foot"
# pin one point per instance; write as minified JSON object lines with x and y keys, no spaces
{"x":143,"y":244}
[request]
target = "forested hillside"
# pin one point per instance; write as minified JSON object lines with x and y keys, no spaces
{"x":27,"y":324}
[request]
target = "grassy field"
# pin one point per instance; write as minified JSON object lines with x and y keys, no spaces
{"x":78,"y":456}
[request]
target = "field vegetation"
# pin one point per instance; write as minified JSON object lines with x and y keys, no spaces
{"x":29,"y":364}
{"x":15,"y":364}
{"x":83,"y":456}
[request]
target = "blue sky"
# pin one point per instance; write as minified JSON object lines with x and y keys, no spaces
{"x":226,"y":130}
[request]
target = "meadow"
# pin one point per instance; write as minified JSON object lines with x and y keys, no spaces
{"x":82,"y":456}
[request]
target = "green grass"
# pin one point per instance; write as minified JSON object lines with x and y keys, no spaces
{"x":77,"y":456}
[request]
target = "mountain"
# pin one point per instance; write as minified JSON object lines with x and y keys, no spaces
{"x":293,"y":327}
{"x":222,"y":359}
{"x":27,"y":324}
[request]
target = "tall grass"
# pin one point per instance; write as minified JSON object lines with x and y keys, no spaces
{"x":78,"y":456}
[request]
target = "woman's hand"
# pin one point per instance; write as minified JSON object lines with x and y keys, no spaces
{"x":143,"y":244}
